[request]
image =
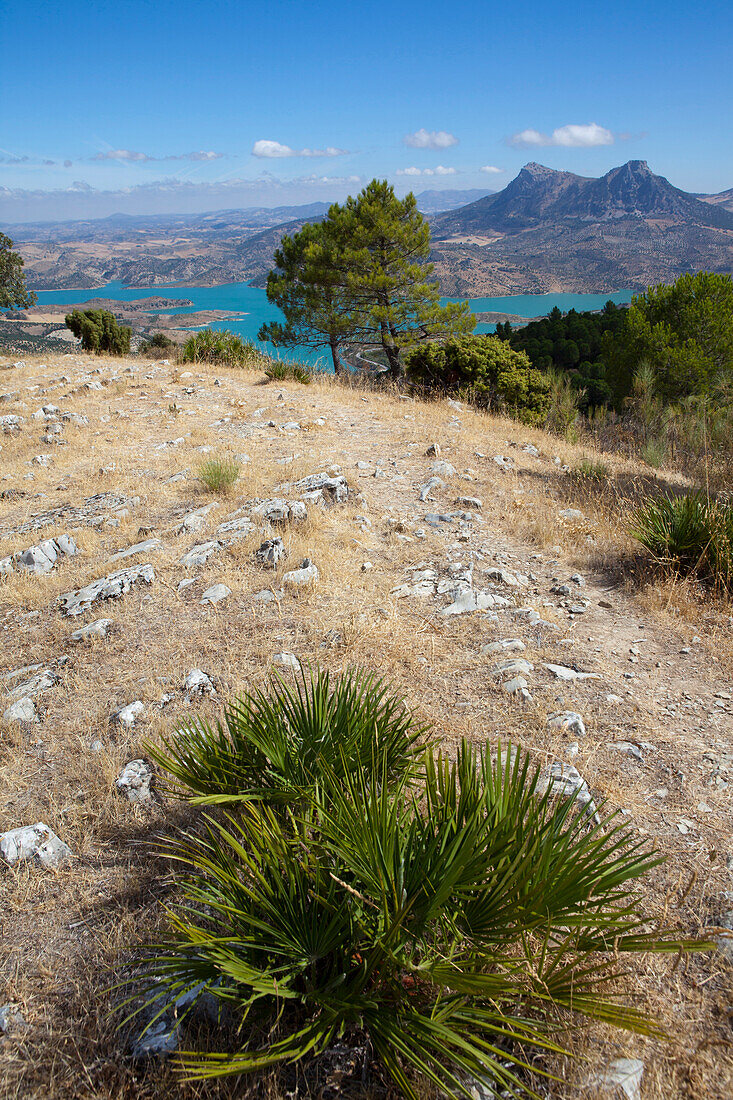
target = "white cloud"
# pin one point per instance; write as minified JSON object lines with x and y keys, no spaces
{"x":439,"y":171}
{"x":491,"y":170}
{"x":275,"y":149}
{"x":430,"y":139}
{"x":131,"y":157}
{"x":572,"y":136}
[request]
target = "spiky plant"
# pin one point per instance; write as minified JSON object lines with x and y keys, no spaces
{"x":452,"y":923}
{"x":219,"y":475}
{"x":278,"y":744}
{"x":288,"y":372}
{"x":212,"y":346}
{"x":690,"y":534}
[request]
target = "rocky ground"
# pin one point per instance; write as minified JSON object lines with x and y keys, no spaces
{"x":455,"y":553}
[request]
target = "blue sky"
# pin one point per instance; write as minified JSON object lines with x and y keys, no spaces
{"x":152,"y":105}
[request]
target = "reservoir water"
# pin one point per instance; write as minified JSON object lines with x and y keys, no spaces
{"x":252,"y":304}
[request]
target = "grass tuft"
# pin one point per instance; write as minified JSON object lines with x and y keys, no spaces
{"x":219,"y":475}
{"x":288,"y":372}
{"x":689,"y":534}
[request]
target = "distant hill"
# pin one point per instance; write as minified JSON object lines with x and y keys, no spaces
{"x":546,"y":231}
{"x":550,"y":230}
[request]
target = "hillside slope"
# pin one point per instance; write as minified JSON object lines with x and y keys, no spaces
{"x":112,"y":462}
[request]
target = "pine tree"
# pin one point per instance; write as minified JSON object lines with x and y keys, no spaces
{"x":393,"y":295}
{"x":99,"y":331}
{"x":13,"y":291}
{"x":308,"y":284}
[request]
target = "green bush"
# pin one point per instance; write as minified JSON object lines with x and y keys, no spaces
{"x":288,"y":372}
{"x":219,"y":475}
{"x":279,"y":745}
{"x":447,"y":917}
{"x":225,"y":348}
{"x":483,"y":369}
{"x":689,"y":534}
{"x":589,"y":469}
{"x":157,"y":342}
{"x":99,"y":331}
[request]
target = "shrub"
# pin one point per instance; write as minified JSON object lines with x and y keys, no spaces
{"x":563,"y":404}
{"x":689,"y":534}
{"x":278,"y":745}
{"x":219,"y":474}
{"x":483,"y":369}
{"x":99,"y":331}
{"x":589,"y":470}
{"x":225,"y":348}
{"x":445,"y":916}
{"x":157,"y":342}
{"x":284,"y":372}
{"x":654,"y":452}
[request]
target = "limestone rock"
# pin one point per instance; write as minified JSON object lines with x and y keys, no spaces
{"x":198,"y":683}
{"x":306,"y":575}
{"x":216,"y":594}
{"x":271,"y":552}
{"x":33,"y":841}
{"x":564,"y":779}
{"x":98,"y":629}
{"x":199,"y":554}
{"x":567,"y":720}
{"x":147,"y":547}
{"x":505,"y":645}
{"x":133,"y":782}
{"x":514,"y":666}
{"x":624,"y":1074}
{"x":334,"y":490}
{"x":107,"y":588}
{"x":286,"y":661}
{"x":42,"y":681}
{"x":23,"y":710}
{"x":128,"y":716}
{"x":568,"y":674}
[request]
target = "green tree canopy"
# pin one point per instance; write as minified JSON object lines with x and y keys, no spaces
{"x":395,"y":296}
{"x":308,"y":284}
{"x":99,"y":331}
{"x":13,"y":291}
{"x":685,"y":333}
{"x":487,"y":370}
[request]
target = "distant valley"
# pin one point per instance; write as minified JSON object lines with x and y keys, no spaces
{"x":547,"y":231}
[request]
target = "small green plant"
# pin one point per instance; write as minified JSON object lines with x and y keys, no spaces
{"x":288,"y":372}
{"x":589,"y":469}
{"x":209,"y":346}
{"x":448,"y":916}
{"x":219,"y":475}
{"x":689,"y":534}
{"x":99,"y":331}
{"x":654,"y":452}
{"x":563,"y":404}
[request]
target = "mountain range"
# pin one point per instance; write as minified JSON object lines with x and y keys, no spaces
{"x":546,"y":231}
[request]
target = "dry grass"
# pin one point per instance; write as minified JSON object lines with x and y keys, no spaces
{"x":65,"y":932}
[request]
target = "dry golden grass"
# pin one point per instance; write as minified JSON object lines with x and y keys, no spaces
{"x":65,"y":933}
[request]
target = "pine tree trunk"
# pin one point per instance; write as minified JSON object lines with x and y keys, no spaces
{"x":337,"y":366}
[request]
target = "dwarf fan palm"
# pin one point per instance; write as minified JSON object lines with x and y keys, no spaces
{"x":449,"y":917}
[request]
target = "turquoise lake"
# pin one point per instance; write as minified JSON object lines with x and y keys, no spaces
{"x":253,"y":304}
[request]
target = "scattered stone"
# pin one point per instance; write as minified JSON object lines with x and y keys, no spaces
{"x":628,"y":748}
{"x":33,"y":841}
{"x":133,"y":782}
{"x":199,"y":554}
{"x":265,"y":595}
{"x":503,"y":576}
{"x":194,"y":521}
{"x":505,"y":645}
{"x":286,"y":661}
{"x":279,"y":511}
{"x":530,"y":449}
{"x":42,"y":681}
{"x":271,"y":552}
{"x":40,"y":559}
{"x":505,"y":463}
{"x":470,"y":502}
{"x":443,"y":469}
{"x":433,"y":449}
{"x":157,"y":1041}
{"x":366,"y":566}
{"x":334,"y":490}
{"x":10,"y":1018}
{"x":128,"y":716}
{"x":515,"y":665}
{"x":198,"y":683}
{"x":236,"y":528}
{"x":517,"y":686}
{"x":23,"y":710}
{"x":563,"y":673}
{"x":216,"y":594}
{"x":430,"y":484}
{"x":147,"y":547}
{"x":564,"y":779}
{"x":98,"y":629}
{"x":572,"y":514}
{"x":306,"y":575}
{"x":467,"y":600}
{"x":623,"y":1073}
{"x":107,"y":588}
{"x":568,"y":720}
